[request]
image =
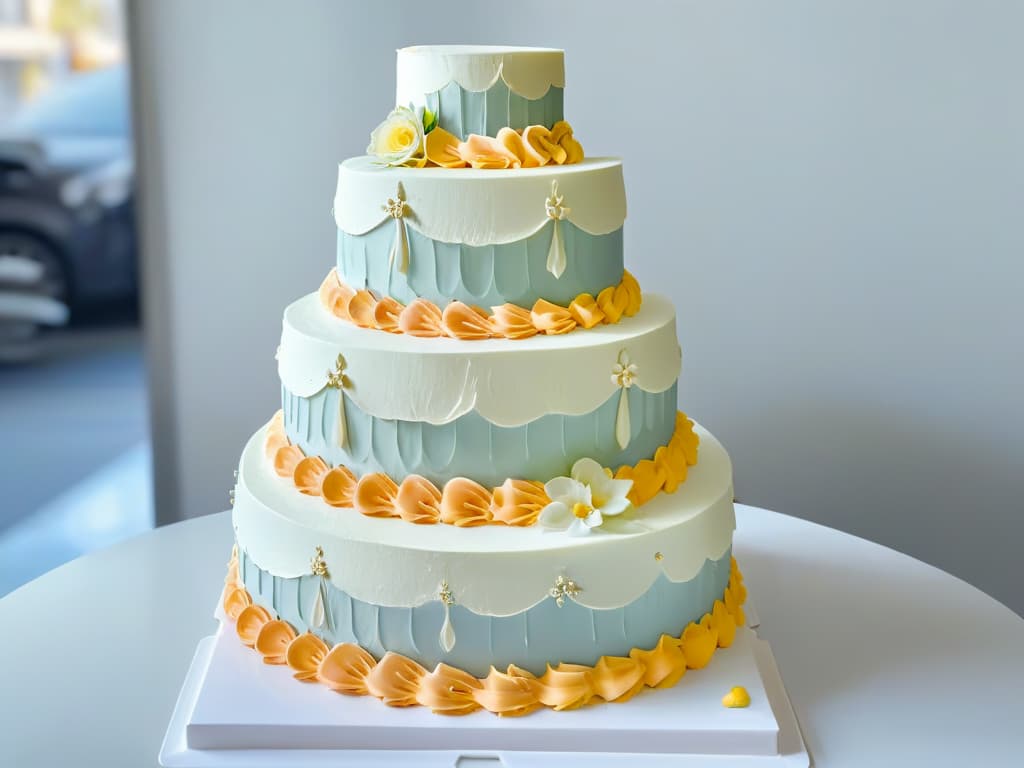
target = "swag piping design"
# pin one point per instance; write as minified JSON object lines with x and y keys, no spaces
{"x":460,"y":207}
{"x":506,"y":384}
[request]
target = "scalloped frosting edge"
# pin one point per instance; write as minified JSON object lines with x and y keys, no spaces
{"x":458,"y":320}
{"x":529,"y":73}
{"x":399,"y":681}
{"x":463,"y":502}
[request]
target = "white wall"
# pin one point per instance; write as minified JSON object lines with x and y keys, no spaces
{"x":830,"y":192}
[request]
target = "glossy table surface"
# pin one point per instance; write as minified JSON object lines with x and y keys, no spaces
{"x":888,"y":661}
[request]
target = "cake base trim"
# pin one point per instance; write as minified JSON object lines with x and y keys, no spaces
{"x":401,"y":682}
{"x":423,"y":318}
{"x":463,"y":502}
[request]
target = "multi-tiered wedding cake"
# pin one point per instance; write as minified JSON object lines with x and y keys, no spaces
{"x":479,"y":492}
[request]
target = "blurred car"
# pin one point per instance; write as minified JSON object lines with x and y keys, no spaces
{"x":67,"y":219}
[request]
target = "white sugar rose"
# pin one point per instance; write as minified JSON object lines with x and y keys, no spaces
{"x":399,"y":139}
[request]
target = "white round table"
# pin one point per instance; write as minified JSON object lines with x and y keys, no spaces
{"x":888,"y":661}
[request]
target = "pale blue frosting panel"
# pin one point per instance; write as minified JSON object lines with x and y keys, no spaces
{"x":470,"y":446}
{"x":485,"y":113}
{"x":485,"y":275}
{"x":543,"y":634}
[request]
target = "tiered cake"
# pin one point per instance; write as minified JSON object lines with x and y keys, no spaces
{"x":479,"y":492}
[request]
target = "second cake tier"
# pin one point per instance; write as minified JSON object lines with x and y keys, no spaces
{"x":488,"y":410}
{"x":481,"y":236}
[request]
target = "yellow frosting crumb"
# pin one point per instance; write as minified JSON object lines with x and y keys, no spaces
{"x":736,"y":698}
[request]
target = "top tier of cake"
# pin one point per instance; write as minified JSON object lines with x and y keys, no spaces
{"x":482,"y":89}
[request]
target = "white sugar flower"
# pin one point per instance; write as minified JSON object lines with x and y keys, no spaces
{"x":581,"y":503}
{"x":399,"y":139}
{"x":624,"y":372}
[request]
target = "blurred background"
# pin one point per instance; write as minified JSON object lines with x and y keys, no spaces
{"x":76,"y":470}
{"x":830,"y":192}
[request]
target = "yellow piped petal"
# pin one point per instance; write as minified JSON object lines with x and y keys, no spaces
{"x":231,"y":578}
{"x":418,"y":500}
{"x":275,"y":442}
{"x":585,"y":312}
{"x":276,"y":425}
{"x":513,"y":142}
{"x":462,"y":321}
{"x":567,"y":686}
{"x":512,"y":322}
{"x":664,"y":665}
{"x":735,"y":595}
{"x":606,"y":302}
{"x":304,"y":655}
{"x":699,"y":643}
{"x":287,"y":459}
{"x":551,"y":318}
{"x":338,"y":487}
{"x":487,"y":152}
{"x":737,"y":698}
{"x":344,"y":669}
{"x":273,"y":641}
{"x":249,"y":623}
{"x":688,"y":439}
{"x":518,"y":502}
{"x":442,"y":148}
{"x":395,"y":680}
{"x":361,"y":308}
{"x":375,"y":495}
{"x":723,"y":624}
{"x":465,"y":503}
{"x":421,"y":318}
{"x":386,"y":314}
{"x":573,"y":150}
{"x":648,"y":478}
{"x":309,"y":475}
{"x":538,"y":139}
{"x":634,"y":298}
{"x":448,"y":691}
{"x":617,"y":678}
{"x":672,"y":461}
{"x":336,"y":296}
{"x":236,"y":600}
{"x":510,"y":694}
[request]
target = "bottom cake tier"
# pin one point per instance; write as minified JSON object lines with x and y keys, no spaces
{"x":364,"y":603}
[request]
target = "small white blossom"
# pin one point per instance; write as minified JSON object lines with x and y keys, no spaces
{"x":624,"y":372}
{"x":580,"y":503}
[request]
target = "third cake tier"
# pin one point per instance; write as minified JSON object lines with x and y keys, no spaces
{"x":487,"y":410}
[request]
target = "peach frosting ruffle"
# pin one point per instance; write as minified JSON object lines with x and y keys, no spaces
{"x":462,"y":321}
{"x":401,"y":682}
{"x":532,"y":147}
{"x":463,"y":502}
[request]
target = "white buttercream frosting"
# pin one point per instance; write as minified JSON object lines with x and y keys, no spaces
{"x":436,"y":380}
{"x":480,"y":207}
{"x":492,"y":569}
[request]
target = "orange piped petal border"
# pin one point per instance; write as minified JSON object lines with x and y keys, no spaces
{"x":463,"y":502}
{"x":461,"y":321}
{"x":401,"y":682}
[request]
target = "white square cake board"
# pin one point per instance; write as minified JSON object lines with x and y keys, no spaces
{"x":234,"y":711}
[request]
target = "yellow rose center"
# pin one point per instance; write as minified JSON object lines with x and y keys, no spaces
{"x":581,"y":510}
{"x":401,"y":138}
